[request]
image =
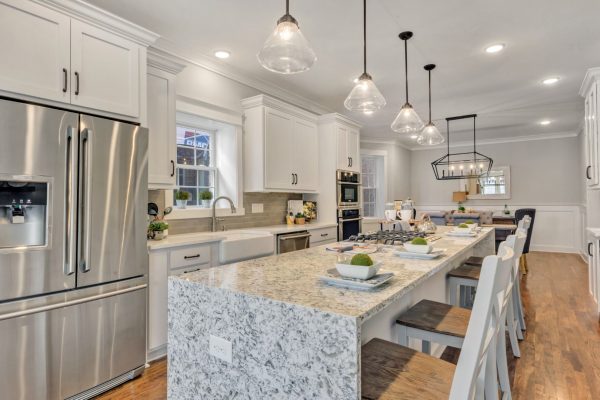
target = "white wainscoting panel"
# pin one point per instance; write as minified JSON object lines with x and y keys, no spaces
{"x":557,"y":228}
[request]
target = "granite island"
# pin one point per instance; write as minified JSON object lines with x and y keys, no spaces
{"x":292,"y":336}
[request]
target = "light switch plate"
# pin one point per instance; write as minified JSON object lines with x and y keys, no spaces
{"x":220,"y":348}
{"x":257,"y":208}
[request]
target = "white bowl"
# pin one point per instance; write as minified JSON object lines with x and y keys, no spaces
{"x":418,"y":248}
{"x":473,"y":226}
{"x":462,"y":230}
{"x":358,"y":271}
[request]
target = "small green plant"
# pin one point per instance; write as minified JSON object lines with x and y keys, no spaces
{"x":206,"y":195}
{"x":182,"y":195}
{"x":461,"y":209}
{"x":418,"y":241}
{"x":300,"y":215}
{"x":463,"y":226}
{"x":469,"y":222}
{"x":362,"y":260}
{"x":158,"y":226}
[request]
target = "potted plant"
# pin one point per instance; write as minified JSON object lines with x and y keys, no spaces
{"x":158,"y":230}
{"x":206,"y":197}
{"x":182,"y":197}
{"x":300,"y":219}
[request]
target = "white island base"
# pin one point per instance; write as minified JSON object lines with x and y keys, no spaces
{"x":293,"y":337}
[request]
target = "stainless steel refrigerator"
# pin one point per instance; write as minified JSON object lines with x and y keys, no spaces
{"x":73,"y":258}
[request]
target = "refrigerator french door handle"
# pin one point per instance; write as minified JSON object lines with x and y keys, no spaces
{"x":84,"y":204}
{"x":70,"y":199}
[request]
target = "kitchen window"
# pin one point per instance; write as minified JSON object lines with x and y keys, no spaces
{"x":373,"y":185}
{"x":196,"y":162}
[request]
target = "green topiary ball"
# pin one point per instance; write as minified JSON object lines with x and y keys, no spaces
{"x":419,"y":241}
{"x":361,"y":259}
{"x":463,"y":226}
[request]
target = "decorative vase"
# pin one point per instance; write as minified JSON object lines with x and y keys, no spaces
{"x":160,"y":235}
{"x":300,"y":221}
{"x":206,"y":203}
{"x":181,"y":203}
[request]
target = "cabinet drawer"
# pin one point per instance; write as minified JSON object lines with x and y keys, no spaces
{"x":323,"y":235}
{"x":192,"y":255}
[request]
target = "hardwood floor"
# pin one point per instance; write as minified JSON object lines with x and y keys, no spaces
{"x":560,"y":356}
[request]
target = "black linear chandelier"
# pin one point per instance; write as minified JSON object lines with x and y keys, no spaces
{"x":470,"y":164}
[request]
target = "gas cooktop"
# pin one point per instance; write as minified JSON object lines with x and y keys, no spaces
{"x":386,"y":237}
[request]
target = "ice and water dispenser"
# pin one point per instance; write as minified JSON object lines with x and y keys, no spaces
{"x":23,"y":208}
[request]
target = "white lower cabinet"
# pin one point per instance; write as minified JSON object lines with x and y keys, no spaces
{"x":164,"y":263}
{"x":323,"y":236}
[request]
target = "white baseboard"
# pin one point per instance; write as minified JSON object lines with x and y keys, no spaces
{"x":553,"y":249}
{"x":156,"y":353}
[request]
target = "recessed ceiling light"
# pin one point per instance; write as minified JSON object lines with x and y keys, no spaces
{"x":545,"y":122}
{"x":222,"y":54}
{"x":495,"y":48}
{"x":551,"y":81}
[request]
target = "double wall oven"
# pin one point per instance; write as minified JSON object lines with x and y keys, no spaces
{"x":348,"y":204}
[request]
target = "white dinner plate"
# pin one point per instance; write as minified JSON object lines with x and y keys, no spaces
{"x":461,"y":234}
{"x":334,"y":278}
{"x":419,"y":256}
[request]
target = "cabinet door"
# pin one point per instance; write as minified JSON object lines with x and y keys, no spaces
{"x":305,"y":163}
{"x":343,"y":159}
{"x":595,"y":139}
{"x":34,"y":43}
{"x":278,"y":148}
{"x":162,"y":129}
{"x":105,"y":70}
{"x":353,"y":149}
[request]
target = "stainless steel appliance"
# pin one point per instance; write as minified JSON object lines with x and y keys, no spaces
{"x":73,"y":258}
{"x":348,"y":189}
{"x":293,"y":241}
{"x":349,"y":222}
{"x":389,"y":237}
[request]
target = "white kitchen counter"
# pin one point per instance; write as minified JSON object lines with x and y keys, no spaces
{"x":211,"y":237}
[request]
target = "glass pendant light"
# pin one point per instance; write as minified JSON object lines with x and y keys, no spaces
{"x":430,"y":135}
{"x":286,"y":50}
{"x":364,"y":97}
{"x":407,"y":121}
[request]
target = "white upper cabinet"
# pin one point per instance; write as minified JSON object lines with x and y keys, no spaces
{"x":50,"y":55}
{"x":280,"y":147}
{"x":105,"y":70}
{"x":589,"y":91}
{"x":162,"y":129}
{"x":348,"y":148}
{"x":34,"y":44}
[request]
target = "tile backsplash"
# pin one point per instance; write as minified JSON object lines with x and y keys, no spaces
{"x":274,"y":205}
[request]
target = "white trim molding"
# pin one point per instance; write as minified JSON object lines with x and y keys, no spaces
{"x":592,"y":75}
{"x":163,"y":61}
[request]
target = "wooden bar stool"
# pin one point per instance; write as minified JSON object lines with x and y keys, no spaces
{"x":393,"y":372}
{"x":446,"y":324}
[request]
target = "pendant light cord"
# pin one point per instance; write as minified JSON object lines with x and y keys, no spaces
{"x":365,"y":36}
{"x":429,"y":96}
{"x":406,"y":67}
{"x":287,"y":7}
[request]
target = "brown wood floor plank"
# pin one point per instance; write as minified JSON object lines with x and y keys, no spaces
{"x":560,"y":356}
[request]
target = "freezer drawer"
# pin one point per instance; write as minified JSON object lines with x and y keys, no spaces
{"x":66,"y":349}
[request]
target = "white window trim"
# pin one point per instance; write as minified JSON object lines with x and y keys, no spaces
{"x":384,"y":189}
{"x":187,"y":115}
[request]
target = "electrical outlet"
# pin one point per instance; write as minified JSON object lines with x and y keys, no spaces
{"x":220,"y":348}
{"x":257,"y":208}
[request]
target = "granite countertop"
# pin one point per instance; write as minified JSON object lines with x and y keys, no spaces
{"x":188,"y":239}
{"x":294,"y":277}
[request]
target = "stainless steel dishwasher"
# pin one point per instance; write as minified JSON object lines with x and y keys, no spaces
{"x":293,"y":241}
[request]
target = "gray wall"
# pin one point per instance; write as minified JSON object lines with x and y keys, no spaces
{"x":543,"y":172}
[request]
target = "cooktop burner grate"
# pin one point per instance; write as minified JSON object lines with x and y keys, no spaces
{"x":386,"y":237}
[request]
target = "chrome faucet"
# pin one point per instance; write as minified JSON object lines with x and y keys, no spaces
{"x":214,"y":210}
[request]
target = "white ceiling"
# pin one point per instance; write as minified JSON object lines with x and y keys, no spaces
{"x":543,"y":38}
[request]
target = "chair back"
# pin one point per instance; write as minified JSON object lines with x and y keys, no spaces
{"x":484,"y":325}
{"x":519,"y":214}
{"x":516,"y":242}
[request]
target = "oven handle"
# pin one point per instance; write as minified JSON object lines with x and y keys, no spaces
{"x":294,"y":237}
{"x":348,"y":183}
{"x":350,"y":220}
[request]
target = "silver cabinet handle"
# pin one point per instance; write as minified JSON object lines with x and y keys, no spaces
{"x":65,"y":78}
{"x":86,"y":142}
{"x":76,"y":83}
{"x":295,"y":236}
{"x":70,"y":198}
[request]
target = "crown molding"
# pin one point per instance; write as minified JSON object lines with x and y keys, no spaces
{"x":100,"y":18}
{"x":159,"y":59}
{"x":591,"y":75}
{"x":337,"y":117}
{"x":234,"y":74}
{"x":385,"y":141}
{"x":516,"y":139}
{"x":271,"y":102}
